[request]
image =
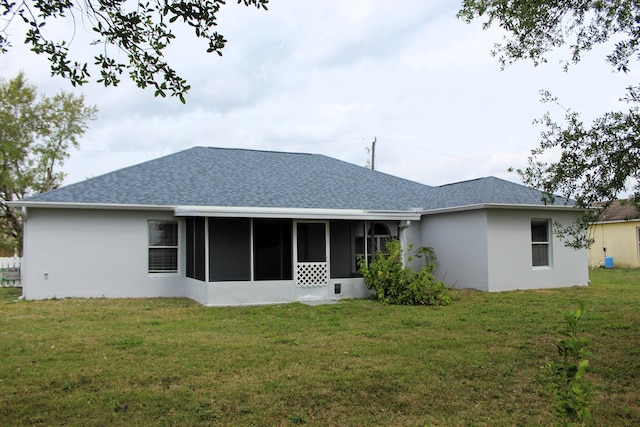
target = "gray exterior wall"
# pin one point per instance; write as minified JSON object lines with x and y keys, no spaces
{"x":510,"y":252}
{"x":104,"y":253}
{"x":460,"y":243}
{"x":490,"y":250}
{"x":93,"y":253}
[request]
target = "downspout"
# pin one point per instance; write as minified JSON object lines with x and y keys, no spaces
{"x":23,"y":264}
{"x":403,"y":225}
{"x":604,"y":245}
{"x":207,"y":267}
{"x":365,"y":238}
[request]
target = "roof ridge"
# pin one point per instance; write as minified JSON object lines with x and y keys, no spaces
{"x":489,"y":187}
{"x":463,"y":182}
{"x":255,"y":150}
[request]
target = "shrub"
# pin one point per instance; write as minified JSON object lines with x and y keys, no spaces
{"x":395,"y":283}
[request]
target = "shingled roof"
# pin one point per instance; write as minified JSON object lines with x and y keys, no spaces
{"x":619,"y":211}
{"x":204,"y":176}
{"x":488,"y":190}
{"x":224,"y":177}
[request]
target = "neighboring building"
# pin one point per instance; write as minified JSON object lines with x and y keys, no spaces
{"x":232,"y":227}
{"x":616,"y":234}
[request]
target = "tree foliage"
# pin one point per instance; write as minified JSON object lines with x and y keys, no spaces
{"x":131,"y":36}
{"x":35,"y":138}
{"x":598,"y":160}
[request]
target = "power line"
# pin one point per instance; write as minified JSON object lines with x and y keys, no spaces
{"x":436,"y":152}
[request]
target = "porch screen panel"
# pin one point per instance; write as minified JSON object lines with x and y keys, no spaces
{"x":273,"y":250}
{"x":190,"y":226}
{"x":341,"y":249}
{"x":312,"y":242}
{"x":195,"y":248}
{"x":229,"y":249}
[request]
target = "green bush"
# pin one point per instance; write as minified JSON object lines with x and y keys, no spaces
{"x":395,"y":283}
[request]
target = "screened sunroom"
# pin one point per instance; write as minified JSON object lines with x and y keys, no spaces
{"x":241,"y":257}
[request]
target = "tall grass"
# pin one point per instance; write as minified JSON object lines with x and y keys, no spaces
{"x":173,"y":362}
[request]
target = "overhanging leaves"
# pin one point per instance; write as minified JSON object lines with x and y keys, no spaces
{"x":599,"y":160}
{"x":132,"y":35}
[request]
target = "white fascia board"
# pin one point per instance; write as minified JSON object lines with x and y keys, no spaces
{"x":499,"y":206}
{"x":236,"y":211}
{"x":294,"y":213}
{"x":113,"y":206}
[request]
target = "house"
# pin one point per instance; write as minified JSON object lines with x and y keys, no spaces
{"x":616,"y":235}
{"x":232,"y":227}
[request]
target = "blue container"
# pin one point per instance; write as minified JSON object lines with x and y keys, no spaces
{"x":608,"y":262}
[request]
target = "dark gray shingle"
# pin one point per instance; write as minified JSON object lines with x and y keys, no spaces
{"x":489,"y":190}
{"x":205,"y":176}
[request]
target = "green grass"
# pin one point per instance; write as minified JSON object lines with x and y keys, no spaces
{"x":93,"y":362}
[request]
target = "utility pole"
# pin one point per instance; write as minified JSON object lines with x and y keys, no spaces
{"x":373,"y":153}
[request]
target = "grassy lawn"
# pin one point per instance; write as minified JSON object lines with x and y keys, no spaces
{"x":173,"y":362}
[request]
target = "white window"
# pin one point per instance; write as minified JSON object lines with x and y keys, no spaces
{"x":163,"y":246}
{"x":638,"y":240}
{"x":540,"y":242}
{"x":377,"y":239}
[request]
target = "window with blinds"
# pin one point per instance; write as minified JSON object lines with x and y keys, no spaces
{"x":540,"y":243}
{"x":163,"y":246}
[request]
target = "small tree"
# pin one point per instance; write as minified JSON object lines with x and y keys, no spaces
{"x":395,"y":283}
{"x":35,"y":138}
{"x":565,"y":379}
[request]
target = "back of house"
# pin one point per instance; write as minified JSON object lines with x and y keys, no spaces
{"x":233,"y":227}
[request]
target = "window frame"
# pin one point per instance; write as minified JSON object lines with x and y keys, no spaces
{"x":375,"y":242}
{"x":545,"y":243}
{"x":154,"y":247}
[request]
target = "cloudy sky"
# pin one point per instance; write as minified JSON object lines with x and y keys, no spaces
{"x":328,"y":77}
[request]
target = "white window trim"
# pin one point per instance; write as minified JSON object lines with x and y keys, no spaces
{"x":176,"y":247}
{"x":548,"y":243}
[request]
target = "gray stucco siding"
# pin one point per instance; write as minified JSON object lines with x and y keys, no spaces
{"x":490,"y":250}
{"x":510,"y":262}
{"x":93,"y":253}
{"x":459,"y":240}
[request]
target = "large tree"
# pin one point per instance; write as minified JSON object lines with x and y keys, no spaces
{"x":130,"y":36}
{"x":36,"y":135}
{"x":598,"y":160}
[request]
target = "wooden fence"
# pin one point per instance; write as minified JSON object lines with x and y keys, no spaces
{"x":10,"y":271}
